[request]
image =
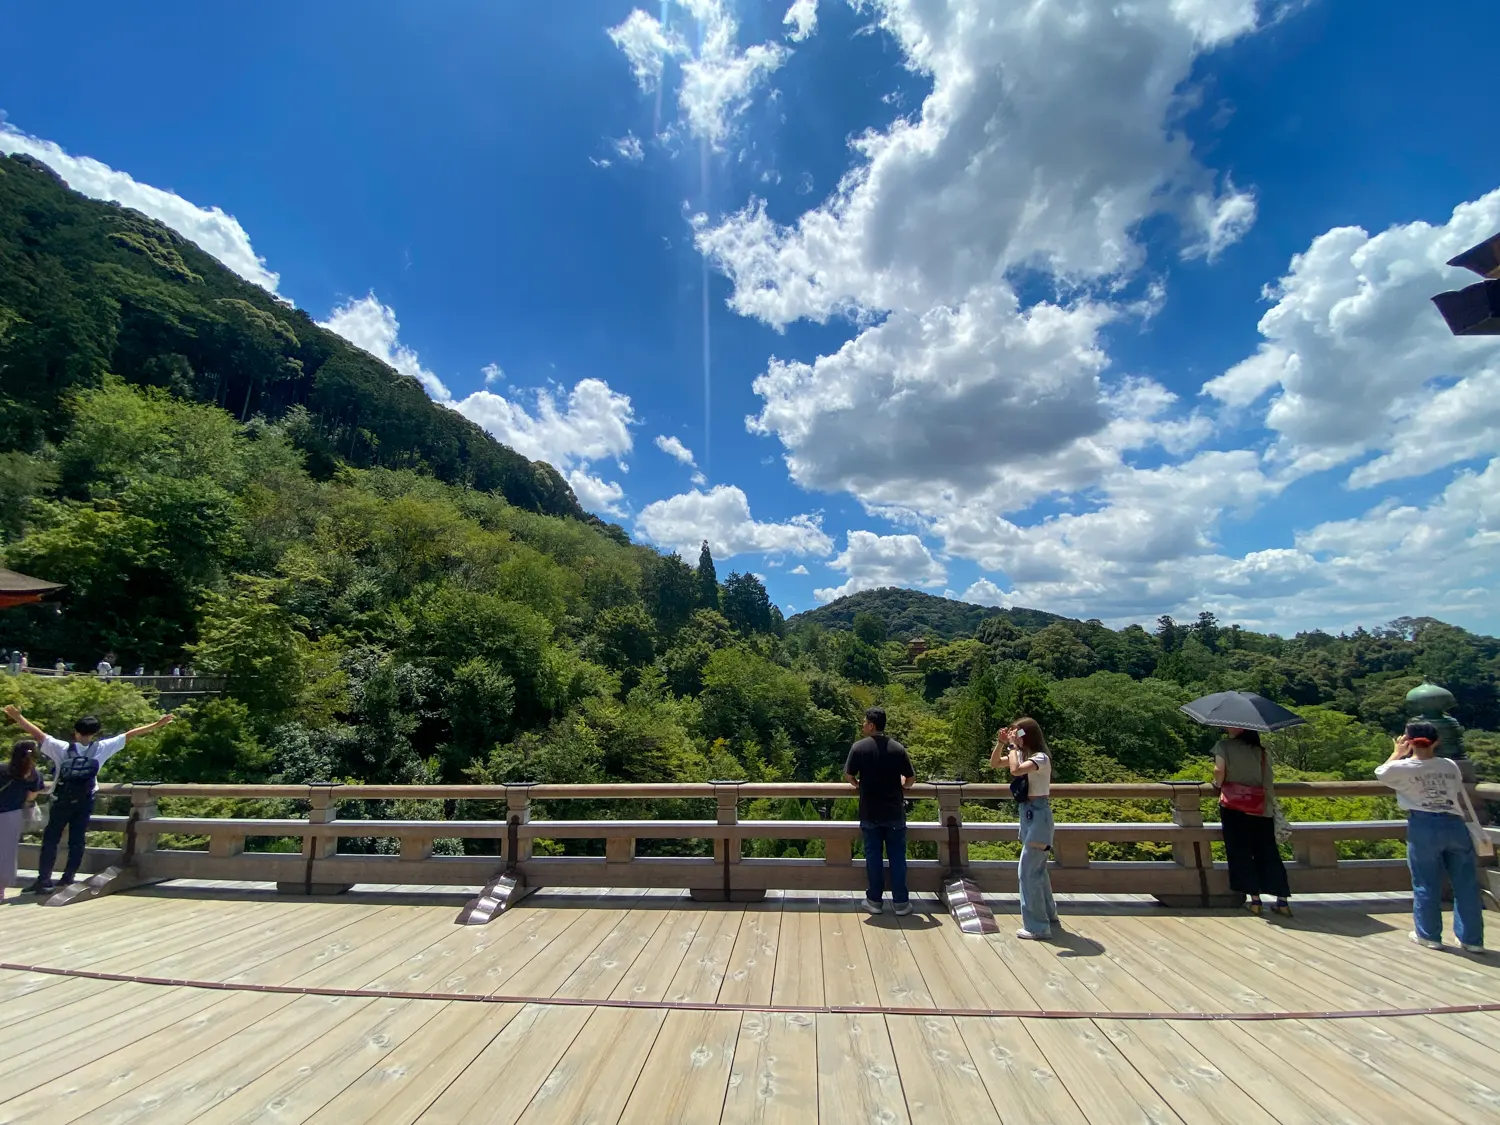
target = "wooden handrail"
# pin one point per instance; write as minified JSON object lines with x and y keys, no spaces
{"x":804,"y":790}
{"x":509,"y":839}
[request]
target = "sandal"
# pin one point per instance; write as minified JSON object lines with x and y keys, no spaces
{"x":1254,"y":906}
{"x":1283,"y":908}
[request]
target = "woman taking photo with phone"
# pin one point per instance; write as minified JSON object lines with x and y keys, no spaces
{"x":1247,"y":810}
{"x":1442,"y":836}
{"x":1021,"y":749}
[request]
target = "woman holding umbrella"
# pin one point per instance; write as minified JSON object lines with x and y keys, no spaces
{"x":1247,"y":792}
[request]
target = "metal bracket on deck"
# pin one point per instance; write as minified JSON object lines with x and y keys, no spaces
{"x":113,"y":878}
{"x":962,"y":896}
{"x":504,"y":890}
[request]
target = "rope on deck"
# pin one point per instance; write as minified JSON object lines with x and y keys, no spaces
{"x":775,"y":1009}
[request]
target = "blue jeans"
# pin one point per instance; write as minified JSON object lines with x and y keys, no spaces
{"x":1437,"y":843}
{"x":71,"y":811}
{"x":893,"y":838}
{"x":1038,"y":910}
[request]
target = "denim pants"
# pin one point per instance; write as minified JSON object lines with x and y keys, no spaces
{"x":1437,"y":843}
{"x":71,"y":811}
{"x":893,"y":838}
{"x":1038,"y":910}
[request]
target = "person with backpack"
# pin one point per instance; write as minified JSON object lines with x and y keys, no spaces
{"x":77,"y":765}
{"x":879,"y":767}
{"x":1443,"y":836}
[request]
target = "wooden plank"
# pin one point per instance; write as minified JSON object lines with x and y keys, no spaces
{"x":774,"y":1079}
{"x":706,"y":962}
{"x":898,"y":980}
{"x":81,"y":1085}
{"x":858,"y":1081}
{"x":601,"y":972}
{"x":188,"y":1091}
{"x":595,"y":1076}
{"x":501,"y":1081}
{"x":957,"y":970}
{"x":406,"y":1081}
{"x":292,"y":1090}
{"x":938,"y":1076}
{"x":1365,"y":1089}
{"x":685,"y":1077}
{"x":1023,"y":1087}
{"x":1196,"y":1089}
{"x":847,"y":978}
{"x":1104,"y":1085}
{"x":546,"y":972}
{"x":799,"y":958}
{"x":650,"y":975}
{"x":751,"y":973}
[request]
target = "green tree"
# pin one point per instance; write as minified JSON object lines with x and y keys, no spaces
{"x":669,"y":589}
{"x":869,"y":628}
{"x":746,"y":605}
{"x":1060,"y":654}
{"x":1137,"y":722}
{"x":246,"y":635}
{"x":708,"y":579}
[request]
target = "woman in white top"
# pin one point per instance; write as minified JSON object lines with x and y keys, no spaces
{"x":1438,"y":840}
{"x":1022,"y":750}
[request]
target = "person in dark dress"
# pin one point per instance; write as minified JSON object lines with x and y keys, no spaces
{"x":879,"y":767}
{"x":1247,"y":795}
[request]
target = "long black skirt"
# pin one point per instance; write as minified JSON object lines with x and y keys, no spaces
{"x":1255,"y":866}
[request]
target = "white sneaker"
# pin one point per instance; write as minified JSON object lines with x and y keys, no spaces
{"x":1425,"y":943}
{"x":903,"y":908}
{"x":1474,"y":949}
{"x":1027,"y":935}
{"x":871,"y":907}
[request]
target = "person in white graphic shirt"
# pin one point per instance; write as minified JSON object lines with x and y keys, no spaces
{"x":1442,"y":836}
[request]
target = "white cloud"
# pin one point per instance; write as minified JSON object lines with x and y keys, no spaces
{"x":722,"y":516}
{"x":492,"y":374}
{"x":593,"y":423}
{"x":872,"y":561}
{"x":699,"y":479}
{"x":367,"y":323}
{"x":1222,"y":221}
{"x":673,"y":447}
{"x":799,"y":569}
{"x":985,"y":592}
{"x":210,"y":228}
{"x":718,"y":77}
{"x":802,"y":18}
{"x":648,"y":46}
{"x":629,"y":148}
{"x":596,"y":495}
{"x":1049,"y":135}
{"x":1353,"y":346}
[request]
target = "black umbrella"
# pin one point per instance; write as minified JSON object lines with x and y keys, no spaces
{"x":1242,"y":709}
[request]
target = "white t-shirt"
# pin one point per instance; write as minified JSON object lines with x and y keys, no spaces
{"x":1431,"y":785}
{"x":101,"y":749}
{"x":1040,"y":779}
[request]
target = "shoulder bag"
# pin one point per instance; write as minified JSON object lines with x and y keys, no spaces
{"x":1482,"y":845}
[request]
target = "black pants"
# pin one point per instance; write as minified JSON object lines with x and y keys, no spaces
{"x":70,"y":810}
{"x":1255,"y":865}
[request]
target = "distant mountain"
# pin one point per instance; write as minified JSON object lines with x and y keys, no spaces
{"x":911,"y":613}
{"x":89,"y":288}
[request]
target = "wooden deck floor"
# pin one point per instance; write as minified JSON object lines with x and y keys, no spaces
{"x":90,"y":1050}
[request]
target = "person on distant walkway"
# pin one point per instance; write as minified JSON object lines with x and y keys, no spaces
{"x":879,"y":767}
{"x":1438,"y":837}
{"x":1022,"y":749}
{"x":77,"y":765}
{"x":20,"y":781}
{"x":1247,"y":794}
{"x":104,"y":669}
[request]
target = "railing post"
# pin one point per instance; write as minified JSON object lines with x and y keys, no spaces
{"x":1311,"y":850}
{"x":727,"y":799}
{"x":950,"y":801}
{"x":1187,"y":812}
{"x":414,"y":849}
{"x":518,"y":811}
{"x":323,"y":811}
{"x":143,"y":807}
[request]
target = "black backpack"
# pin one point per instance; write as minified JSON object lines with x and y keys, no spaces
{"x":79,"y":767}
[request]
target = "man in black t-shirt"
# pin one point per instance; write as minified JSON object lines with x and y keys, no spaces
{"x":881,"y":770}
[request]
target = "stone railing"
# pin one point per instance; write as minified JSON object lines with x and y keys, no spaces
{"x":1190,"y":878}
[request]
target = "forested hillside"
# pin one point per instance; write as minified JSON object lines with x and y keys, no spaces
{"x":395,"y":598}
{"x":88,"y":288}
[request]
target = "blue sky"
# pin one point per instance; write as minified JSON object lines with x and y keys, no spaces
{"x":1018,"y":356}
